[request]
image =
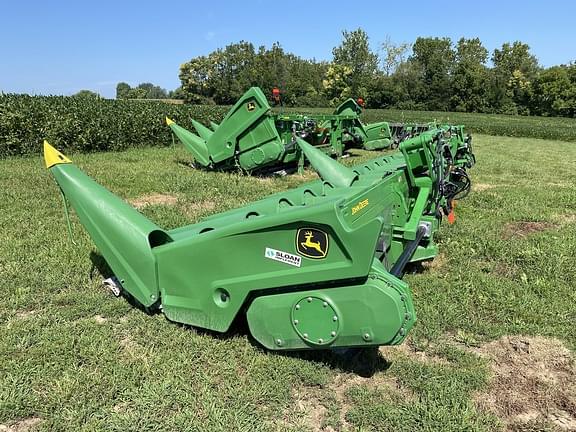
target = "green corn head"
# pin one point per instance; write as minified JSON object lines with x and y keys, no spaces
{"x":254,"y":138}
{"x":319,"y":266}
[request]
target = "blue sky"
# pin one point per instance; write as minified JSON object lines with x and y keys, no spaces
{"x":61,"y":47}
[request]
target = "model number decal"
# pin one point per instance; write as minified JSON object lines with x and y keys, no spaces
{"x":285,"y":257}
{"x":360,"y":206}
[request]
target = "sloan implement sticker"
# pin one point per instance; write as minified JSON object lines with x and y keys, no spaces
{"x":285,"y":257}
{"x":312,"y":243}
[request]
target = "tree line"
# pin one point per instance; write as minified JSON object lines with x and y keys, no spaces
{"x":429,"y":74}
{"x":145,"y":91}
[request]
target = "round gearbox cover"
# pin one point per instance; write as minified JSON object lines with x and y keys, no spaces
{"x":258,"y":156}
{"x":315,"y":320}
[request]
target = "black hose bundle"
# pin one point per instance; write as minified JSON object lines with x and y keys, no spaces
{"x":459,"y":184}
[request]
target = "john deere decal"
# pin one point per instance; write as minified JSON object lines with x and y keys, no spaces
{"x":360,"y":206}
{"x":312,"y":243}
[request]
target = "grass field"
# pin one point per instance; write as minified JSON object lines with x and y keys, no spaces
{"x":553,"y":128}
{"x":493,"y":347}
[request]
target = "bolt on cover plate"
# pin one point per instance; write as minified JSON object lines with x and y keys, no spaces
{"x":315,"y":320}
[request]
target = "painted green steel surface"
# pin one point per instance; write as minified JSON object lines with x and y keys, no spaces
{"x":123,"y":235}
{"x":247,"y":137}
{"x":377,"y":311}
{"x":252,"y":137}
{"x":309,"y":267}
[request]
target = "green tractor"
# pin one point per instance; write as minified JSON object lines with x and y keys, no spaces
{"x":316,"y":267}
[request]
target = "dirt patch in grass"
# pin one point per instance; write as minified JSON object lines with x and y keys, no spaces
{"x":24,"y":425}
{"x":309,"y":412}
{"x":128,"y":344}
{"x":406,"y":349}
{"x":132,"y":350}
{"x":325,"y":408}
{"x":265,"y":180}
{"x":559,"y":184}
{"x":315,"y":408}
{"x":437,"y":263}
{"x":523,"y":229}
{"x":502,"y":269}
{"x":153,"y":199}
{"x":308,"y":175}
{"x":120,"y":407}
{"x":193,"y":209}
{"x":533,"y":383}
{"x":565,"y":219}
{"x":506,"y":270}
{"x":382,"y":382}
{"x":479,"y":187}
{"x":100,"y":319}
{"x":25,"y":314}
{"x":339,"y":386}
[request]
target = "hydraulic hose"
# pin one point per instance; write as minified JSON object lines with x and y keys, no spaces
{"x":406,"y":255}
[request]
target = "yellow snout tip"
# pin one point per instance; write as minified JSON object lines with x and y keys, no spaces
{"x":169,"y":121}
{"x":53,"y":157}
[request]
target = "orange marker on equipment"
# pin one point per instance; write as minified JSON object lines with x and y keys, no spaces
{"x":452,"y":215}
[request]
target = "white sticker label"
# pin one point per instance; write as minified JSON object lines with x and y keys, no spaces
{"x":284,"y":257}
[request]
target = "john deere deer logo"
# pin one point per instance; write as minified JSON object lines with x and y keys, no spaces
{"x":250,"y":106}
{"x":312,"y":243}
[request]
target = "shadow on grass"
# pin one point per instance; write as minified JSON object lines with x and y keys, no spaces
{"x":103,"y":270}
{"x":361,"y":361}
{"x":279,"y":170}
{"x":416,"y":268}
{"x":99,"y":265}
{"x":186,"y":163}
{"x":275,"y":170}
{"x":364,"y":362}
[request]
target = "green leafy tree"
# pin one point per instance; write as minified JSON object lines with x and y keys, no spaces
{"x":304,"y":85}
{"x":431,"y":63}
{"x":177,"y":93}
{"x":153,"y":91}
{"x":470,"y":76}
{"x":383,"y":91}
{"x":223,"y":76}
{"x":235,"y":72}
{"x":336,"y":83}
{"x":354,"y":66}
{"x":299,"y":80}
{"x":554,"y":91}
{"x":408,"y":87}
{"x":393,"y":54}
{"x":437,"y":75}
{"x":515,"y":68}
{"x":272,"y":67}
{"x":122,"y":90}
{"x":87,"y":94}
{"x":197,"y":77}
{"x":137,"y":93}
{"x":141,"y":91}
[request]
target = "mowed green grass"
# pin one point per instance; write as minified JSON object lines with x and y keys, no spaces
{"x":549,"y":128}
{"x":73,"y":357}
